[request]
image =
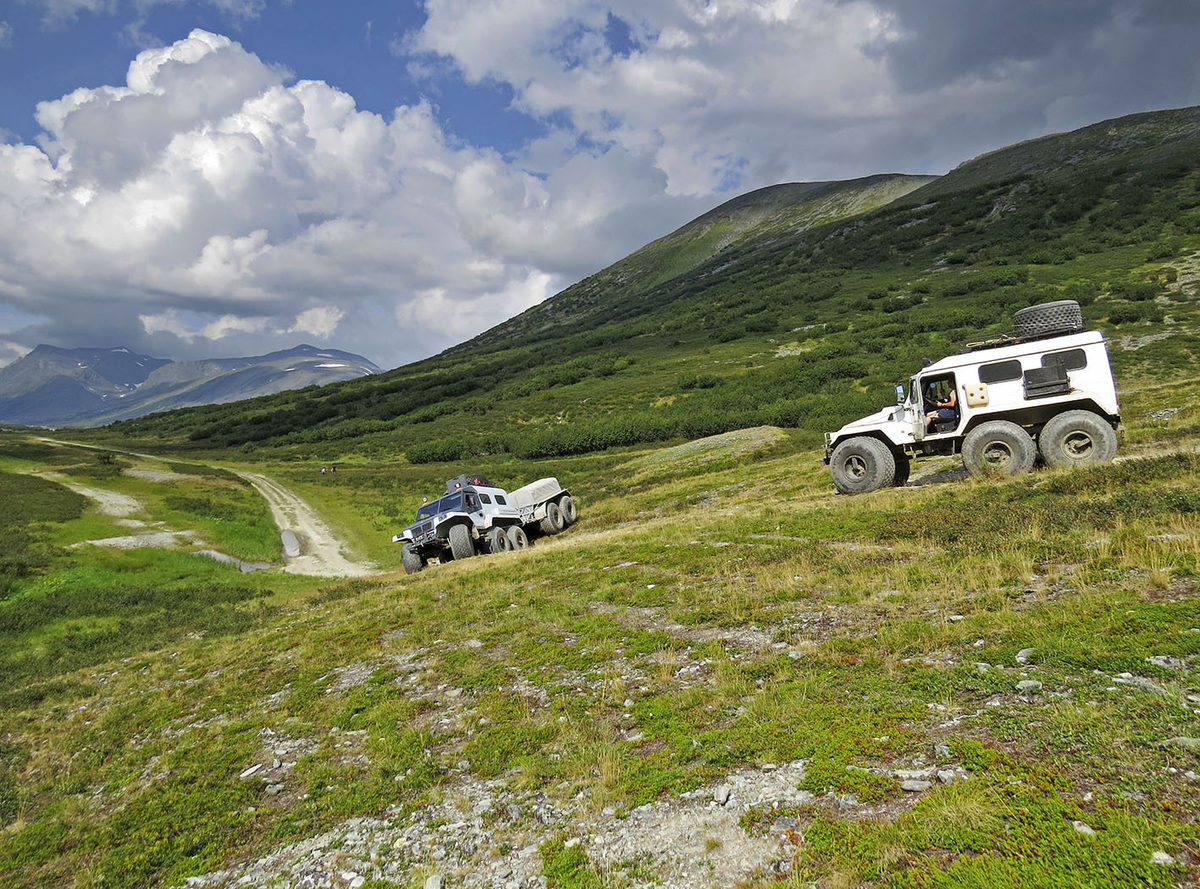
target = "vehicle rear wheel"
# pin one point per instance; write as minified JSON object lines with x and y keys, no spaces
{"x":517,"y":538}
{"x":497,"y":541}
{"x":862,"y":464}
{"x":998,"y":447}
{"x":412,"y":560}
{"x":554,"y":522}
{"x":1077,"y":438}
{"x":460,"y":542}
{"x":567,"y":506}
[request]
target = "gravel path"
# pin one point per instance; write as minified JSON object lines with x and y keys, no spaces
{"x":320,"y":551}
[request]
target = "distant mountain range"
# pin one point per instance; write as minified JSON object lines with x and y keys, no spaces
{"x":90,"y":387}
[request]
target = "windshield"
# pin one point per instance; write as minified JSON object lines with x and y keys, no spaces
{"x":449,"y":503}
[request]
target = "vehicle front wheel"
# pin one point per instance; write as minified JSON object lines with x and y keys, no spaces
{"x":554,"y":522}
{"x":998,"y":447}
{"x":411,"y":558}
{"x":517,"y":538}
{"x":862,"y":464}
{"x":461,"y":546}
{"x":1077,"y":438}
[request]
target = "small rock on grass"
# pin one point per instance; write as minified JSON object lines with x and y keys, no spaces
{"x":913,"y":785}
{"x":1029,"y":687}
{"x":434,"y":882}
{"x":1024,"y":655}
{"x":1186,"y":743}
{"x":1162,"y":858}
{"x":1082,"y":828}
{"x":721,"y":794}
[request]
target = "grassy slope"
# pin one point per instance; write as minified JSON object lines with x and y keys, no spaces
{"x":135,"y":686}
{"x":723,"y":590}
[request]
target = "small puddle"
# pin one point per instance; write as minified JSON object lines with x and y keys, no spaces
{"x":246,"y":567}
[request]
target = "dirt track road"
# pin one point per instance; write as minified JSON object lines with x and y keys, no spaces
{"x":320,"y":553}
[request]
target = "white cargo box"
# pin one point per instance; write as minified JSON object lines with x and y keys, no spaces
{"x":534,"y":493}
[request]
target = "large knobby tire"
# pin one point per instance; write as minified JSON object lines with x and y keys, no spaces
{"x":517,"y":538}
{"x":412,"y":560}
{"x":1077,"y":438}
{"x":554,"y":522}
{"x":461,"y":546}
{"x":567,"y":507}
{"x":998,"y":447}
{"x":903,"y":470}
{"x":1061,"y":316}
{"x":497,"y":541}
{"x":862,"y":464}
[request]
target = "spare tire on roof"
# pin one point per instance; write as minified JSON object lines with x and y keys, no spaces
{"x":1062,"y":316}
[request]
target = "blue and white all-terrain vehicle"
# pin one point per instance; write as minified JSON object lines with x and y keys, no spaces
{"x":474,"y":516}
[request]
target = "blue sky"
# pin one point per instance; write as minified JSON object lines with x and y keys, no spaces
{"x":226,"y":177}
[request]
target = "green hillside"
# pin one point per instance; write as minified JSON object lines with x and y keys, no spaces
{"x":782,"y":310}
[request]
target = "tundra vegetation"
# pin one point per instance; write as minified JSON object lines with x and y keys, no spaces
{"x":717,"y":606}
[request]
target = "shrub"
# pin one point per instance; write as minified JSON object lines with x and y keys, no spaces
{"x":443,"y":450}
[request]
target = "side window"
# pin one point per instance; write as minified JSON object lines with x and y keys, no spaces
{"x":471,"y":502}
{"x":485,"y":498}
{"x":1000,"y":371}
{"x":501,"y":500}
{"x":1073,"y":359}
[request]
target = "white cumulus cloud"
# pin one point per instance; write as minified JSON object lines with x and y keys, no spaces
{"x":210,"y":199}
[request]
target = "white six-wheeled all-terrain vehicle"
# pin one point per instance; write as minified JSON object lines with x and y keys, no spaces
{"x":474,"y":516}
{"x":1049,"y":390}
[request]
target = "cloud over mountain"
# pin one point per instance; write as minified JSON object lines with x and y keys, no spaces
{"x":217,"y":197}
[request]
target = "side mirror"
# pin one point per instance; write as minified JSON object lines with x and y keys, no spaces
{"x":901,"y":392}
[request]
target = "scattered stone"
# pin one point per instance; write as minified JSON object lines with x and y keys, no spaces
{"x":783,"y":823}
{"x":1029,"y":687}
{"x":1024,"y":655}
{"x":571,"y":843}
{"x":1140,"y":682}
{"x":1162,"y":858}
{"x":941,"y":751}
{"x":1186,"y":743}
{"x":912,"y":785}
{"x":955,"y":618}
{"x":721,"y":794}
{"x":1082,"y":828}
{"x":918,"y":774}
{"x":274,"y":789}
{"x":946,"y":776}
{"x":250,"y":771}
{"x":433,"y":882}
{"x":1167,"y":662}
